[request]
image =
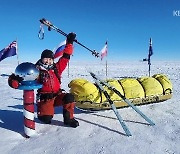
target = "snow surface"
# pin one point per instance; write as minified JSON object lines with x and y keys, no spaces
{"x":99,"y":132}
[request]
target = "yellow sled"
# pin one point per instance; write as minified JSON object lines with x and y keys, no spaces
{"x":139,"y":91}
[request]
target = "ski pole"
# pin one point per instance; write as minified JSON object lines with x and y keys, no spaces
{"x":124,"y":98}
{"x":51,"y":26}
{"x":125,"y":128}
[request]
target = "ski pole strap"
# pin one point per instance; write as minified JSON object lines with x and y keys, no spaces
{"x":41,"y":32}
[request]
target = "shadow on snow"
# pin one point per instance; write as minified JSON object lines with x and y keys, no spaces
{"x":13,"y":120}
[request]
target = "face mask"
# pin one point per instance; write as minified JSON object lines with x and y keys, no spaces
{"x":46,"y":66}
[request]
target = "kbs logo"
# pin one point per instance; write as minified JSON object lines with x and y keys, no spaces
{"x":176,"y":13}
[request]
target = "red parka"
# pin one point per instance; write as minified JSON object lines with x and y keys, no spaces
{"x":49,"y":79}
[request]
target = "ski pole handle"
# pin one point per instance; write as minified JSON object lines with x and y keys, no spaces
{"x":45,"y":22}
{"x":50,"y":25}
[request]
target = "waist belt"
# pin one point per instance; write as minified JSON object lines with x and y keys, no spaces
{"x":47,"y":96}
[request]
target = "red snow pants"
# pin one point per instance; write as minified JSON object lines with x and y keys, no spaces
{"x":46,"y":107}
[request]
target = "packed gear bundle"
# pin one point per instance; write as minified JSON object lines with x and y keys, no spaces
{"x":139,"y":91}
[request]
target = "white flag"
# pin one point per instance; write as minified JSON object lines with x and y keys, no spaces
{"x":104,"y":51}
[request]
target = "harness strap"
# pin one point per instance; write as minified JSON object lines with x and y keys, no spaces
{"x":48,"y":96}
{"x":56,"y":73}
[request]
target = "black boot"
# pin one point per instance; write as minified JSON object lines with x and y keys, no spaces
{"x":45,"y":119}
{"x":69,"y":122}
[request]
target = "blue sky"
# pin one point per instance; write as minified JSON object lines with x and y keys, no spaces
{"x":126,"y":24}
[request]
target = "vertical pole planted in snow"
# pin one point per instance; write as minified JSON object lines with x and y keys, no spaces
{"x":29,"y":73}
{"x":28,"y":103}
{"x":28,"y":88}
{"x":149,"y":63}
{"x":149,"y":55}
{"x":68,"y":69}
{"x":106,"y":69}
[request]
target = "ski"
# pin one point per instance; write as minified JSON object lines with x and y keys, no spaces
{"x":123,"y":97}
{"x":125,"y":128}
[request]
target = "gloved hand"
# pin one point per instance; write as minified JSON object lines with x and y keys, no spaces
{"x":70,"y":38}
{"x":14,"y":81}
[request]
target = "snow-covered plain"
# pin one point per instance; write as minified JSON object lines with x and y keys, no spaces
{"x":99,"y":132}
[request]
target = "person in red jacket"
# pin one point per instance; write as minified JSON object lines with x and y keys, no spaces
{"x":51,"y":95}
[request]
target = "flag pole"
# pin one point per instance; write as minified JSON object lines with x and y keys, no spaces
{"x":149,"y":63}
{"x":149,"y":55}
{"x":106,"y":59}
{"x":68,"y":69}
{"x":17,"y":52}
{"x":106,"y":68}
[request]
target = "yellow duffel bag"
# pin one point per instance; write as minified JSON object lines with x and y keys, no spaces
{"x":113,"y":95}
{"x":151,"y":86}
{"x":132,"y":88}
{"x":165,"y":82}
{"x":83,"y":90}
